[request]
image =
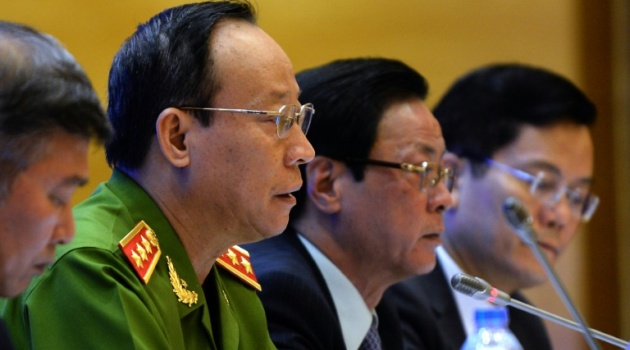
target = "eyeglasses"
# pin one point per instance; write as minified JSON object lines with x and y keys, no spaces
{"x":430,"y":172}
{"x":285,"y":116}
{"x":550,"y":190}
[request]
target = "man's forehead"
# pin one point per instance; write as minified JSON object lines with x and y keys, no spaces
{"x":238,"y":38}
{"x":411,"y":120}
{"x":250,"y":65}
{"x":430,"y":146}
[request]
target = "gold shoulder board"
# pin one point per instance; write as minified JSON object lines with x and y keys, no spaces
{"x":236,"y":260}
{"x":142,"y":249}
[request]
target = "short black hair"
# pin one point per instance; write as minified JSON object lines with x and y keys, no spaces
{"x":485,"y":110}
{"x":350,"y":97}
{"x":43,"y":90}
{"x":165,"y":63}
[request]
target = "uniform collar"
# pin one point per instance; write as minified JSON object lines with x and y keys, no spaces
{"x":145,"y":208}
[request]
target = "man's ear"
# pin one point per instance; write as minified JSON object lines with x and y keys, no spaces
{"x":322,"y":174}
{"x":171,"y":129}
{"x":458,"y":164}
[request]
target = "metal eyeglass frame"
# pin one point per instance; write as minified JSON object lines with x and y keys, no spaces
{"x":586,"y":208}
{"x":445,"y":174}
{"x":286,"y":116}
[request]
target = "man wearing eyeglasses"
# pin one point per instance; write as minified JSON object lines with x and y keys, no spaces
{"x":369,"y":215}
{"x":209,"y":134}
{"x":513,"y":131}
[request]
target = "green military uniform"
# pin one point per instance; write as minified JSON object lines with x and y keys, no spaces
{"x":92,"y":297}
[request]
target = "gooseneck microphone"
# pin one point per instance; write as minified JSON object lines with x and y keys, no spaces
{"x":521,"y":222}
{"x":479,"y":289}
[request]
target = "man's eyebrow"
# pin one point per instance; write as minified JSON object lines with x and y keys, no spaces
{"x":74,"y":180}
{"x":551,"y":168}
{"x":279,"y":94}
{"x":541,"y":165}
{"x":426,"y":149}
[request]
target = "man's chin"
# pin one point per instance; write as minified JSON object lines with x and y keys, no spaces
{"x":272,"y":230}
{"x":533,"y":279}
{"x":13,"y":289}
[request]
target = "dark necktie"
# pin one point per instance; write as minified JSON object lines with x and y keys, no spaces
{"x":372,"y":340}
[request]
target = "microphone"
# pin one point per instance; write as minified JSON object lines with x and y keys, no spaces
{"x":479,"y":289}
{"x":520,"y":220}
{"x":522,"y":224}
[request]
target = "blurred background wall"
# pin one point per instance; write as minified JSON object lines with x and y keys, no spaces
{"x":585,"y":40}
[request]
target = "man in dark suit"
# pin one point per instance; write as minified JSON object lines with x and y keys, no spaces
{"x":511,"y":130}
{"x":368,"y":215}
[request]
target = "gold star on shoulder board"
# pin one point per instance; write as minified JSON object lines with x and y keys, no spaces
{"x":232,"y":257}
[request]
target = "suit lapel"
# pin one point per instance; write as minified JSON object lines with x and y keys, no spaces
{"x":389,"y":325}
{"x":442,"y":304}
{"x":291,"y":237}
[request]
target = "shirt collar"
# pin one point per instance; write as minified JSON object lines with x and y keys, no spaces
{"x":355,"y":317}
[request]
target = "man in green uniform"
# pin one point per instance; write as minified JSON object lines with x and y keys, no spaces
{"x":154,"y":265}
{"x":49,"y":112}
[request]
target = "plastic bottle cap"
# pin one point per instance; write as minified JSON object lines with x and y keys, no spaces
{"x":492,"y":317}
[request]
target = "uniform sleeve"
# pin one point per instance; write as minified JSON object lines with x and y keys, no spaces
{"x":91,"y":300}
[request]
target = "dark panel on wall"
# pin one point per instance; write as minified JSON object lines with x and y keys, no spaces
{"x":602,"y":289}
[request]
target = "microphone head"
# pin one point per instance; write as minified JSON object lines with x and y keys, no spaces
{"x":479,"y":289}
{"x":472,"y":286}
{"x":519,"y":219}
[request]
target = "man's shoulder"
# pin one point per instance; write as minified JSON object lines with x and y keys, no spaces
{"x":106,"y":217}
{"x":271,"y":267}
{"x":101,"y":256}
{"x":284,"y":267}
{"x":281,"y":254}
{"x":100,"y":221}
{"x":283,"y":242}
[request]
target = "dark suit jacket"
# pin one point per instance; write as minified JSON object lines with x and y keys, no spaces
{"x":430,"y":318}
{"x":5,"y":340}
{"x":299,"y":307}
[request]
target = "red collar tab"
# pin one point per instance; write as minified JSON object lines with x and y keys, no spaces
{"x":237,"y":261}
{"x":142,"y":249}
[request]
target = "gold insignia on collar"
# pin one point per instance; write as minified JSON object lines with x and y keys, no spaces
{"x":179,"y":286}
{"x":236,"y":260}
{"x":142,"y":249}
